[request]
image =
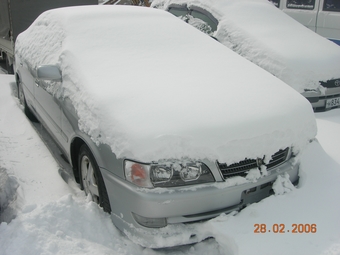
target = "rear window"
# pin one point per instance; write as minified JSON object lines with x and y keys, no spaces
{"x":301,"y":4}
{"x":178,"y":11}
{"x":203,"y":21}
{"x":197,"y":17}
{"x":275,"y":2}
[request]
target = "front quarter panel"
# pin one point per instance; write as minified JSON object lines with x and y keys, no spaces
{"x":103,"y":154}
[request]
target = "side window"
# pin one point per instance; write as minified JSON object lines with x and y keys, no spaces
{"x":275,"y":2}
{"x":331,"y":5}
{"x":203,"y":21}
{"x":301,"y":4}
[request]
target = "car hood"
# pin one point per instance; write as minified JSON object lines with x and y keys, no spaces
{"x":265,"y":35}
{"x":152,"y":87}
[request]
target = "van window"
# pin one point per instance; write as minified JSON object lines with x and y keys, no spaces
{"x":332,"y":5}
{"x":301,"y":4}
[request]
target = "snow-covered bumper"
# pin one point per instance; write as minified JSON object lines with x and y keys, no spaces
{"x":135,"y":208}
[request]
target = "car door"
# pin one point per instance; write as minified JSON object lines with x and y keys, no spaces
{"x":48,"y":107}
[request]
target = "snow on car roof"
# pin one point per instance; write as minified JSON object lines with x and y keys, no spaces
{"x":152,"y":87}
{"x":265,"y":35}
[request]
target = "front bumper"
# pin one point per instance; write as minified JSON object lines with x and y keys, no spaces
{"x":182,"y":205}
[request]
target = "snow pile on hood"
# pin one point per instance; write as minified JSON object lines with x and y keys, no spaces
{"x":262,"y":33}
{"x":154,"y":88}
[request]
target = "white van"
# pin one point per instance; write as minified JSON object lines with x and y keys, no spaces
{"x":321,"y":16}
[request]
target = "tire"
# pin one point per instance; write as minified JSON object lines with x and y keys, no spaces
{"x":9,"y":67}
{"x":29,"y":114}
{"x":91,"y":180}
{"x":3,"y":57}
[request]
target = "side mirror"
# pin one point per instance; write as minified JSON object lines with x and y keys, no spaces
{"x":49,"y":72}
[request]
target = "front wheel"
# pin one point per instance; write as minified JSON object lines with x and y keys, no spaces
{"x":91,"y":180}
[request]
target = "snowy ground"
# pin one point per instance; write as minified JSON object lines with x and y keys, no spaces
{"x":54,"y":217}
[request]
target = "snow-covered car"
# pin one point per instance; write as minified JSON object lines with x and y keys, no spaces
{"x":263,"y":34}
{"x":159,"y":130}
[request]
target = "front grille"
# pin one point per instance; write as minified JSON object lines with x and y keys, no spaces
{"x":278,"y":158}
{"x":242,"y":168}
{"x":237,"y":169}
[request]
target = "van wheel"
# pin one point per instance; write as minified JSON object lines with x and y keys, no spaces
{"x":22,"y":101}
{"x":91,"y":180}
{"x":9,"y":67}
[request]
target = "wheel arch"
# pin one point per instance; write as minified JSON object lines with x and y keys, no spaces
{"x":102,"y":153}
{"x":74,"y":151}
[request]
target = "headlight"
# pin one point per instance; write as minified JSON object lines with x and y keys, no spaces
{"x":160,"y":173}
{"x":167,"y":174}
{"x":191,"y":172}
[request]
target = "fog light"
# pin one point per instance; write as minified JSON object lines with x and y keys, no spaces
{"x":150,"y":222}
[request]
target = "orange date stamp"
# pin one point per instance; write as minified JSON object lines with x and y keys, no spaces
{"x":282,"y":228}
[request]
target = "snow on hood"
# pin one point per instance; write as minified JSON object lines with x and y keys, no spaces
{"x":152,"y":87}
{"x":265,"y":35}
